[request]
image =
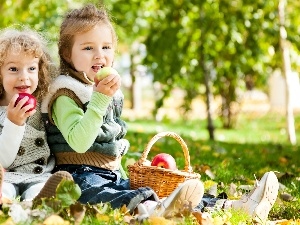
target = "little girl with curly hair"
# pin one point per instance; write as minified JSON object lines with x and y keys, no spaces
{"x":25,"y":67}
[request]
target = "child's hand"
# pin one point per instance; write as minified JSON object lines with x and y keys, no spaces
{"x":109,"y":85}
{"x":18,"y":115}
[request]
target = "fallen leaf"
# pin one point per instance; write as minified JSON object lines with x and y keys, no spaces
{"x":9,"y":221}
{"x":286,"y":197}
{"x":289,"y":222}
{"x":203,"y":218}
{"x":160,"y":221}
{"x":55,"y":220}
{"x":209,"y":173}
{"x":283,"y":160}
{"x":18,"y":214}
{"x":213,"y":190}
{"x":78,"y":212}
{"x":124,"y":209}
{"x":102,"y":217}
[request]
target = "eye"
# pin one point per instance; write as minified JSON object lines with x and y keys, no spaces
{"x":14,"y":69}
{"x":33,"y":68}
{"x":88,"y":48}
{"x":106,"y":47}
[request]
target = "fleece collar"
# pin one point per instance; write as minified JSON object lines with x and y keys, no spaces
{"x":83,"y":91}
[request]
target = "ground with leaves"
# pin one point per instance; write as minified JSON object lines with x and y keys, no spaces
{"x":255,"y":146}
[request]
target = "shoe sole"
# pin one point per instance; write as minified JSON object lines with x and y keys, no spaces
{"x":189,"y":195}
{"x":49,"y":189}
{"x":261,"y":212}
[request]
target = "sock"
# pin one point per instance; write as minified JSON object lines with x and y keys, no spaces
{"x":150,"y":206}
{"x":145,"y":209}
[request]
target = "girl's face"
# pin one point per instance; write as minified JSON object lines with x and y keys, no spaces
{"x":92,"y":50}
{"x":19,"y":73}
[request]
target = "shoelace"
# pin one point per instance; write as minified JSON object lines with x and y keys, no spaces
{"x":256,"y":182}
{"x":247,"y":195}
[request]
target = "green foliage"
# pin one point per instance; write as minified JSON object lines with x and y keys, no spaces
{"x":68,"y":193}
{"x":226,"y":45}
{"x":45,"y":17}
{"x":199,"y":46}
{"x":223,"y":39}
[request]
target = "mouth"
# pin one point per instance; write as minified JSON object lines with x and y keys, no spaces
{"x":23,"y":88}
{"x":97,"y":67}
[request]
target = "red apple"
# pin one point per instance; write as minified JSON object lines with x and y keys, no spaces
{"x":31,"y":100}
{"x":104,"y":72}
{"x":164,"y":160}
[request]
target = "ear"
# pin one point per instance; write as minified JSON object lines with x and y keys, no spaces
{"x":67,"y":55}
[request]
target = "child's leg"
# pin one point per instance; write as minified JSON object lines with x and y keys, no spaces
{"x":186,"y":196}
{"x":9,"y":191}
{"x":260,"y":200}
{"x":31,"y":190}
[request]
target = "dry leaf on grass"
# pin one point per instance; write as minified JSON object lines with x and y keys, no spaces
{"x":203,"y":218}
{"x":9,"y":221}
{"x":78,"y":212}
{"x":55,"y":220}
{"x":289,"y":222}
{"x":102,"y":217}
{"x":160,"y":221}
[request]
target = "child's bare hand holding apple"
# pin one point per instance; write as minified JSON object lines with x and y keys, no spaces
{"x":18,"y":110}
{"x":107,"y":81}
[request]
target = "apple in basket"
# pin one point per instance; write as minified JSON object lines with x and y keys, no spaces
{"x":104,"y":72}
{"x":164,"y":160}
{"x":31,"y":100}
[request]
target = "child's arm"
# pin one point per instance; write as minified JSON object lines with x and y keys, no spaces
{"x":13,"y":130}
{"x":10,"y":141}
{"x":80,"y":128}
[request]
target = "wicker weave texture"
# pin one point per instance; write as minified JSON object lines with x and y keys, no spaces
{"x":162,"y":181}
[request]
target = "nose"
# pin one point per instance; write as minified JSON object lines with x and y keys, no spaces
{"x":99,"y":54}
{"x":23,"y":75}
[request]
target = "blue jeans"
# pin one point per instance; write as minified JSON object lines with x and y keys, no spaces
{"x":101,"y":185}
{"x":211,"y":202}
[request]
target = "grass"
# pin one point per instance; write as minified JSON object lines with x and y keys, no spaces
{"x":255,"y":146}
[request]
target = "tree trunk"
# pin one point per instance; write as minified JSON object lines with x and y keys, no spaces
{"x":136,"y":86}
{"x":286,"y":70}
{"x":209,"y":100}
{"x":209,"y":97}
{"x":131,"y":88}
{"x":208,"y":93}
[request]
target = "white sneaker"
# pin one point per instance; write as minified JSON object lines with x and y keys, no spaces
{"x":187,"y":194}
{"x":261,"y":199}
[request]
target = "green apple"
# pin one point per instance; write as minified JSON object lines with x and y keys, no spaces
{"x":104,"y":72}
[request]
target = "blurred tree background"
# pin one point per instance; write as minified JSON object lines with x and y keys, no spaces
{"x":206,"y":48}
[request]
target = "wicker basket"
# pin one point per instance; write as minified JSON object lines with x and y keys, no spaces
{"x":162,"y":181}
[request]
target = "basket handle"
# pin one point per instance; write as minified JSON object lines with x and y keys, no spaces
{"x":183,"y":145}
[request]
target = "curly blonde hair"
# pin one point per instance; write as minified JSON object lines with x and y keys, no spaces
{"x":27,"y":41}
{"x":79,"y":21}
